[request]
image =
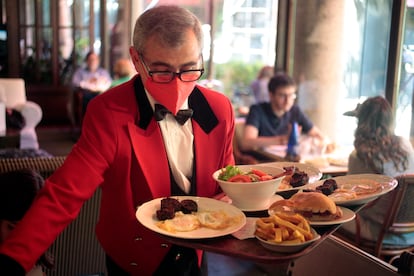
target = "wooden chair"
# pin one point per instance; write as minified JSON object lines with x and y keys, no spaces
{"x":252,"y":156}
{"x":240,"y":157}
{"x":399,"y":219}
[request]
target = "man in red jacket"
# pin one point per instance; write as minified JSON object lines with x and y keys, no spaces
{"x":134,"y":155}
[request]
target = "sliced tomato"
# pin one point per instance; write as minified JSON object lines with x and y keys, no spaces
{"x":258,"y":172}
{"x":240,"y":178}
{"x":265,"y":177}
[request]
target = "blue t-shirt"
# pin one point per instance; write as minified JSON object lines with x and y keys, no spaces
{"x":265,"y":120}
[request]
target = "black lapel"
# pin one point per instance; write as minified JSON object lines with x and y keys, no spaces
{"x":144,"y":107}
{"x":203,"y":114}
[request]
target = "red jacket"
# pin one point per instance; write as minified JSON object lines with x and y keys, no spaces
{"x":120,"y":151}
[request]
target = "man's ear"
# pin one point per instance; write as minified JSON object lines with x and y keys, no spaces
{"x":134,"y":54}
{"x":135,"y":58}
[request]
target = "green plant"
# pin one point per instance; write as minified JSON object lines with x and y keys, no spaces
{"x":236,"y":75}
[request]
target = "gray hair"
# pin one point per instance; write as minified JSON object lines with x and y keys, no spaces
{"x":167,"y":23}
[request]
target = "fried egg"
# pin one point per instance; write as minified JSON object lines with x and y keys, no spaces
{"x":341,"y":194}
{"x":180,"y":223}
{"x":216,"y":219}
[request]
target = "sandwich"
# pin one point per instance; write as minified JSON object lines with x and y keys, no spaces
{"x":314,"y":206}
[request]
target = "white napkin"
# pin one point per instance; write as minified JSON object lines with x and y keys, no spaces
{"x":247,"y":231}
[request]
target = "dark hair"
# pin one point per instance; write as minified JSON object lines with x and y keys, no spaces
{"x":18,"y":190}
{"x":280,"y":80}
{"x":265,"y":72}
{"x":88,"y":55}
{"x":375,"y":141}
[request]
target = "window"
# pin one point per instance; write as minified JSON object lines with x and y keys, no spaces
{"x":405,"y":98}
{"x":340,"y":60}
{"x":367,"y":44}
{"x":54,"y":36}
{"x":243,"y":36}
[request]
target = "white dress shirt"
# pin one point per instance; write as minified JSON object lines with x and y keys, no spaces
{"x":178,"y":143}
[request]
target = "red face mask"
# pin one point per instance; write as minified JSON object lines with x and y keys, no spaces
{"x":172,"y":95}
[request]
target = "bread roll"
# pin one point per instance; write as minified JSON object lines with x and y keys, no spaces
{"x":314,"y":206}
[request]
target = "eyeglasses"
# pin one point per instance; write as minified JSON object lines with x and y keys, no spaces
{"x":167,"y":76}
{"x":286,"y":96}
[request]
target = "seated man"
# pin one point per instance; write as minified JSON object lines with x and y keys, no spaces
{"x":270,"y":123}
{"x":91,"y":79}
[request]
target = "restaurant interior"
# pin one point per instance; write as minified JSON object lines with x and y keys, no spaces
{"x":339,"y":53}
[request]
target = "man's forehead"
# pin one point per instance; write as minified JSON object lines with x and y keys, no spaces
{"x":158,"y":45}
{"x":93,"y":57}
{"x":287,"y":88}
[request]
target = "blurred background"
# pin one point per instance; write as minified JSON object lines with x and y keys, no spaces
{"x":339,"y":52}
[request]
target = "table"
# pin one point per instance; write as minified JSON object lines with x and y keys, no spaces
{"x":334,"y":170}
{"x":278,"y":152}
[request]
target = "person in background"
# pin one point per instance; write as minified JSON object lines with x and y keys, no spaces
{"x":134,"y":147}
{"x":91,"y":79}
{"x":259,"y":85}
{"x":270,"y":123}
{"x":123,"y":71}
{"x":18,"y":191}
{"x":378,"y":150}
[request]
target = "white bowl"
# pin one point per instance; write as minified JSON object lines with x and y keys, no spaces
{"x":251,"y":195}
{"x":289,"y":248}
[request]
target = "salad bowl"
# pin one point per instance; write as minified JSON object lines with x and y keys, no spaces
{"x":249,"y":195}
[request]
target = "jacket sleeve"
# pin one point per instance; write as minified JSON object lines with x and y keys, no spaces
{"x":64,"y":193}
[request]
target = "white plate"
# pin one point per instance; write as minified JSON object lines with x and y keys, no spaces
{"x":347,"y":215}
{"x":314,"y":173}
{"x":350,"y":182}
{"x":146,"y":215}
{"x":274,"y":198}
{"x":288,"y":248}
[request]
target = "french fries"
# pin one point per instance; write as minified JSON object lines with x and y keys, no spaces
{"x":284,"y":228}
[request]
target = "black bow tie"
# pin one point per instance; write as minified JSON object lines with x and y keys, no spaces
{"x":181,"y":117}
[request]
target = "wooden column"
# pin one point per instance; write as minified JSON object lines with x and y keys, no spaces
{"x":12,"y":12}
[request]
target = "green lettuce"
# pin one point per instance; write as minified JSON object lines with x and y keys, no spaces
{"x":228,"y":172}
